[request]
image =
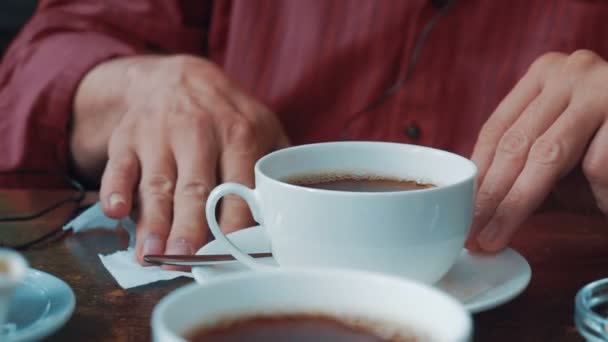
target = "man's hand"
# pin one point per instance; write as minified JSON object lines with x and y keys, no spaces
{"x":180,"y":128}
{"x":554,"y":118}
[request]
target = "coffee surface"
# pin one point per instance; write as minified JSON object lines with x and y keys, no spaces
{"x":349,"y":182}
{"x":287,"y":328}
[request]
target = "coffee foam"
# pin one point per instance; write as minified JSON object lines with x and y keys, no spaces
{"x":328,"y":177}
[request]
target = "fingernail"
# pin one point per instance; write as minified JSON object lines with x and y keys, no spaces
{"x":115,"y":200}
{"x":153,"y":246}
{"x":179,"y":247}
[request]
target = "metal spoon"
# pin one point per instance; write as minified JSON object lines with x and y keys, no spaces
{"x":196,"y":260}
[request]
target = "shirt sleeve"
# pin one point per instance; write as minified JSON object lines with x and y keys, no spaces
{"x":62,"y":42}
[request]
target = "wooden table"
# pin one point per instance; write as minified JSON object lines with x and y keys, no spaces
{"x":565,"y":251}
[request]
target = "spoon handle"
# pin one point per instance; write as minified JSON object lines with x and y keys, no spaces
{"x":196,"y":260}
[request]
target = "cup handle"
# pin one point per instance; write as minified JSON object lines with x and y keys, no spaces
{"x":250,"y":197}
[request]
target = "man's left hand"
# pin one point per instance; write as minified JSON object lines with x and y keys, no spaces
{"x":554,"y":118}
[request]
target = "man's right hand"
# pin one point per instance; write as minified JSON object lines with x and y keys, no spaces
{"x":172,"y":128}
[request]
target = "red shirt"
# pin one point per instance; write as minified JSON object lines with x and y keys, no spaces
{"x":316,"y":63}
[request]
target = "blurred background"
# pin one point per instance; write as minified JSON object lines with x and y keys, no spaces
{"x":13,"y":15}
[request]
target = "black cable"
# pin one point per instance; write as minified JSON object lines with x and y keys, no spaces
{"x":26,"y":245}
{"x":76,"y":199}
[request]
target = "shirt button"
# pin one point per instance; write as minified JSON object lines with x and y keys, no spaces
{"x":439,"y":3}
{"x":413,"y":131}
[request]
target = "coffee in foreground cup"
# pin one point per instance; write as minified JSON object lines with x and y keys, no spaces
{"x":302,"y":327}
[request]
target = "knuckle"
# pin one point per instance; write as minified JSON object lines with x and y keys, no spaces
{"x":194,"y":188}
{"x":240,"y":132}
{"x":486,"y":198}
{"x":183,"y":63}
{"x":159,"y":186}
{"x":173,"y":69}
{"x":489,"y":133}
{"x":594,"y":170}
{"x":514,"y":142}
{"x":122,"y":167}
{"x":581,"y":60}
{"x":546,"y":152}
{"x":211,"y":92}
{"x":545,"y":62}
{"x":185,"y":69}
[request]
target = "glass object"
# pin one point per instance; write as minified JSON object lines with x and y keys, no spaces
{"x":591,"y":311}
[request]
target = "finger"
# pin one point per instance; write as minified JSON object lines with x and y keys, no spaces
{"x":155,"y":199}
{"x":240,"y":152}
{"x":511,"y":153}
{"x":270,"y":122}
{"x":282,"y":140}
{"x":118,"y":181}
{"x":507,"y":112}
{"x":552,"y":156}
{"x":594,"y":167}
{"x":195,"y":151}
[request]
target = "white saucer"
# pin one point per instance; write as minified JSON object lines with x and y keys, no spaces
{"x":480,"y":282}
{"x":39,"y":307}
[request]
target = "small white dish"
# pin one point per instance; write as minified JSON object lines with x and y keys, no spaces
{"x":480,"y":282}
{"x":39,"y":306}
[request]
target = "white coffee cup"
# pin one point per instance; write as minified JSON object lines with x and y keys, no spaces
{"x":417,"y":234}
{"x":389,"y":303}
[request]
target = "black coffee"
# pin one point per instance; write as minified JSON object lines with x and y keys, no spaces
{"x":287,"y":328}
{"x":349,"y":182}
